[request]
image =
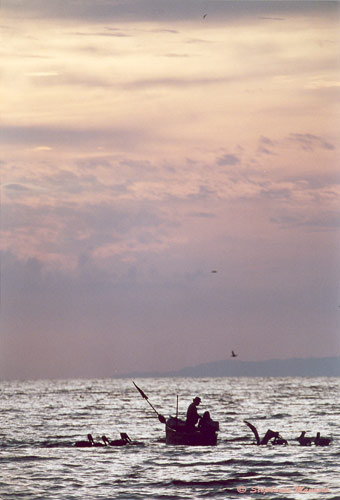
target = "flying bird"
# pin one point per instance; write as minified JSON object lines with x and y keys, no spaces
{"x":205,"y":15}
{"x":214,"y":271}
{"x":233,"y":355}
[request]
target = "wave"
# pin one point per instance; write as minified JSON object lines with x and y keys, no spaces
{"x":213,"y":482}
{"x":26,"y":458}
{"x":280,"y":415}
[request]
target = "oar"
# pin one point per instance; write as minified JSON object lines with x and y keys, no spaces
{"x":144,"y":396}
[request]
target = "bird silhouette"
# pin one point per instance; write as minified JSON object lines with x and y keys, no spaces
{"x":233,"y":355}
{"x":304,"y":440}
{"x":124,"y":440}
{"x":85,"y":444}
{"x":278,"y":439}
{"x":321,"y":441}
{"x":90,"y":442}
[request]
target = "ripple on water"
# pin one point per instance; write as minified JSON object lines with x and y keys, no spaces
{"x":43,"y":419}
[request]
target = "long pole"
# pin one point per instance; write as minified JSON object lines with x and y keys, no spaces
{"x":144,"y":396}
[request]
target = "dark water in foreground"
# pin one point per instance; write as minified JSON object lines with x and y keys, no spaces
{"x":40,"y":421}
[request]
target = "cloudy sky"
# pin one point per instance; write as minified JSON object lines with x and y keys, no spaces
{"x":146,"y":143}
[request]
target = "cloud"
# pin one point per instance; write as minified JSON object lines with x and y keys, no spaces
{"x":162,"y":10}
{"x":110,"y":32}
{"x":228,"y":159}
{"x":176,"y":55}
{"x":326,"y":221}
{"x":16,"y":187}
{"x":269,"y":285}
{"x":205,"y":215}
{"x":309,"y":142}
{"x":317,"y":181}
{"x":276,"y":193}
{"x":267,"y":18}
{"x":114,"y":230}
{"x":174,"y":82}
{"x":266,"y":146}
{"x":31,"y":135}
{"x":57,"y":234}
{"x":42,"y":148}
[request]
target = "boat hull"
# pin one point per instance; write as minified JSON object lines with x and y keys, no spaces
{"x":176,"y":433}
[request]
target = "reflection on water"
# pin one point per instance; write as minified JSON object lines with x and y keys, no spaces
{"x":41,"y":420}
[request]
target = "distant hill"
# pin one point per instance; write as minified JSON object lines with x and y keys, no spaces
{"x":293,"y":367}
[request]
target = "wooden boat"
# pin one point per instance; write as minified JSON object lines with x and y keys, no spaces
{"x":177,"y":433}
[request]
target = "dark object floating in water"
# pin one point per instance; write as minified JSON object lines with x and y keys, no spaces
{"x":85,"y":444}
{"x":116,"y":442}
{"x":318,"y":440}
{"x":322,"y":441}
{"x":97,"y":445}
{"x":177,"y":433}
{"x":124,"y":440}
{"x":277,"y":439}
{"x":304,"y":440}
{"x":90,"y":443}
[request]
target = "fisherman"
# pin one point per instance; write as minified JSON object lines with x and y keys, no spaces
{"x":192,"y":414}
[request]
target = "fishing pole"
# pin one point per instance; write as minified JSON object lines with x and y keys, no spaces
{"x":161,"y":418}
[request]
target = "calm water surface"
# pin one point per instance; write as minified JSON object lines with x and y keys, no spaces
{"x":41,"y":420}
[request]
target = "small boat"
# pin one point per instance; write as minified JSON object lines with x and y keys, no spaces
{"x":177,"y":433}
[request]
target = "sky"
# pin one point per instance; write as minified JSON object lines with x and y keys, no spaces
{"x":147,"y":143}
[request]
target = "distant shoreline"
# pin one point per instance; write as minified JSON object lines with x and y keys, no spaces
{"x":291,"y":367}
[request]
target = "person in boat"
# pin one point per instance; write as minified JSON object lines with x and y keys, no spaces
{"x":207,"y":425}
{"x":192,"y":414}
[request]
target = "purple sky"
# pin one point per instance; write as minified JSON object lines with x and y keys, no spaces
{"x":144,"y":146}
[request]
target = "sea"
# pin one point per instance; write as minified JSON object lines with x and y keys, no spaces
{"x":41,"y":420}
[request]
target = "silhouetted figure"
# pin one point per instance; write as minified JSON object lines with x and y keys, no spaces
{"x":85,"y":444}
{"x":97,"y":444}
{"x":207,"y":425}
{"x":322,"y":441}
{"x":303,"y":440}
{"x":90,"y":443}
{"x":277,"y":438}
{"x":233,"y":355}
{"x":192,"y":414}
{"x":124,"y":440}
{"x":204,"y":421}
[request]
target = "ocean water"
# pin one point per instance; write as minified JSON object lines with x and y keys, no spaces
{"x":41,"y":420}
